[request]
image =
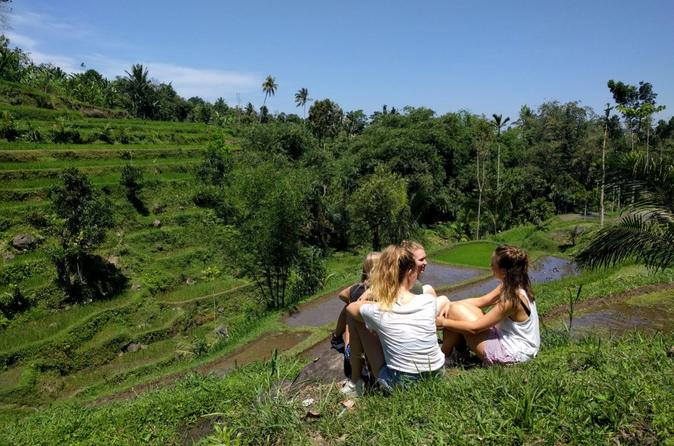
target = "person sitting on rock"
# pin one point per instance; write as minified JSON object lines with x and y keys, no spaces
{"x":348,"y":341}
{"x":403,"y":321}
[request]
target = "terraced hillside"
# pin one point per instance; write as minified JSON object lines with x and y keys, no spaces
{"x":179,"y":286}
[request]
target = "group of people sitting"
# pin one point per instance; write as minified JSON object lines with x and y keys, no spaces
{"x":390,"y":322}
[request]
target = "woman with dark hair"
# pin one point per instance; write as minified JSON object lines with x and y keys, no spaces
{"x":509,"y":332}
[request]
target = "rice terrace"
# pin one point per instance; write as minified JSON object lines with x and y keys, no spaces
{"x":180,"y":229}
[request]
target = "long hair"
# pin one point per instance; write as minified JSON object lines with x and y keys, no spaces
{"x":515,"y":262}
{"x":388,"y":274}
{"x":411,"y":245}
{"x":368,"y":264}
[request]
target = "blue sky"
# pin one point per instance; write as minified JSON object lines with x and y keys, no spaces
{"x":483,"y":56}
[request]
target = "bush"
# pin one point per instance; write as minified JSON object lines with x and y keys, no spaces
{"x":308,"y":275}
{"x":106,"y":134}
{"x":63,"y":133}
{"x":8,"y":128}
{"x":5,"y":224}
{"x":13,"y":302}
{"x":207,"y":197}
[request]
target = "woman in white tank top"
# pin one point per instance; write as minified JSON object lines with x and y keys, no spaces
{"x":509,"y":332}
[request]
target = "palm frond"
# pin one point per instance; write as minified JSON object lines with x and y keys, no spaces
{"x":639,"y":236}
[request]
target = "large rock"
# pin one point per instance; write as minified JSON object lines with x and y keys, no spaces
{"x":156,"y":223}
{"x":24,"y":242}
{"x":134,"y":347}
{"x":327,"y":365}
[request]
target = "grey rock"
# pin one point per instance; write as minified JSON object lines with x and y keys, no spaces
{"x":190,"y":281}
{"x":134,"y":347}
{"x":222,"y":331}
{"x":136,"y":286}
{"x":7,"y":256}
{"x":114,"y":260}
{"x":156,"y":223}
{"x":23,"y":242}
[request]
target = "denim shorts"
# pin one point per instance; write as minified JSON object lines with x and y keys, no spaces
{"x":390,"y":379}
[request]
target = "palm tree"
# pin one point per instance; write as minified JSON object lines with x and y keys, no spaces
{"x":645,"y":231}
{"x":138,"y":88}
{"x":499,"y":125}
{"x":269,"y":87}
{"x":301,"y":99}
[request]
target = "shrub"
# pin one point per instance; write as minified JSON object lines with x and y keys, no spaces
{"x":63,"y":133}
{"x":13,"y":302}
{"x":309,"y":273}
{"x":8,"y":128}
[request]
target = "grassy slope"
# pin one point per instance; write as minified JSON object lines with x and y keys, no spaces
{"x":587,"y":392}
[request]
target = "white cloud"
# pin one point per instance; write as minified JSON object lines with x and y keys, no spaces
{"x":31,"y":46}
{"x":206,"y":83}
{"x":187,"y":81}
{"x":46,"y":23}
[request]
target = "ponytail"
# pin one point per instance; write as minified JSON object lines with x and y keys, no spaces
{"x":388,"y":274}
{"x":515,"y":263}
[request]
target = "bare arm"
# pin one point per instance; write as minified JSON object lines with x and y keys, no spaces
{"x":494,"y":316}
{"x":443,"y":304}
{"x":488,"y":299}
{"x":344,"y":295}
{"x":429,"y":290}
{"x":353,"y":309}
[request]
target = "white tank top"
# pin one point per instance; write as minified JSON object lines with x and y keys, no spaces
{"x":521,"y":340}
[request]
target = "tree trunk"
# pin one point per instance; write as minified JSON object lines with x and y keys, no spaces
{"x":498,"y":166}
{"x":603,"y":176}
{"x":479,"y":208}
{"x":648,"y":136}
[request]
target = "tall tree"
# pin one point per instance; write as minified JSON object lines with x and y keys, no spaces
{"x":636,"y":104}
{"x":326,"y":118}
{"x":607,"y":114}
{"x":138,"y":88}
{"x":301,"y":99}
{"x":499,"y":124}
{"x":85,"y":218}
{"x":379,"y":207}
{"x":269,"y":87}
{"x":481,"y":157}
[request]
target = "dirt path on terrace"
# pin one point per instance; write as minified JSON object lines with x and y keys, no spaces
{"x":608,"y":299}
{"x":259,"y":349}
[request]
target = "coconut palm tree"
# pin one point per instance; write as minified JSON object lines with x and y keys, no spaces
{"x":499,"y":124}
{"x":139,"y":90}
{"x":301,"y":99}
{"x":645,"y":230}
{"x":269,"y":87}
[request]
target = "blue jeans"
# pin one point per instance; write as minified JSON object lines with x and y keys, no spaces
{"x":390,"y":379}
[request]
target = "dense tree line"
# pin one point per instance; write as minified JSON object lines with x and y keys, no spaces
{"x":335,"y":180}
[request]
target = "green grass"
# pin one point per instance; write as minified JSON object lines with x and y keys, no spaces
{"x":597,"y":284}
{"x":586,"y":392}
{"x":475,"y":254}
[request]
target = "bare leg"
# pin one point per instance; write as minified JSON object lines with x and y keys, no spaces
{"x":370,"y":344}
{"x":341,"y":323}
{"x":465,"y":312}
{"x":356,"y":354}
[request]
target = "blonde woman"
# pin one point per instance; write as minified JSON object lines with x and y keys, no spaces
{"x":403,"y":321}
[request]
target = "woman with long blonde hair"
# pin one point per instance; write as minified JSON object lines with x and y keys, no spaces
{"x":404,"y":322}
